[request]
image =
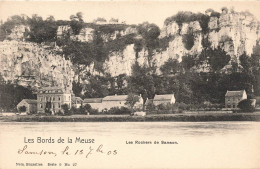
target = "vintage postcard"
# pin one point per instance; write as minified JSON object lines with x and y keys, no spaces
{"x":129,"y":84}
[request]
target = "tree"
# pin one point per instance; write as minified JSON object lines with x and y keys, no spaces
{"x":188,"y":39}
{"x":22,"y":109}
{"x":65,"y":108}
{"x":246,"y":105}
{"x":217,"y":59}
{"x":188,"y":62}
{"x":171,"y":66}
{"x":48,"y":107}
{"x":76,"y":88}
{"x":150,"y":34}
{"x":76,"y":22}
{"x":87,"y":108}
{"x":131,"y":100}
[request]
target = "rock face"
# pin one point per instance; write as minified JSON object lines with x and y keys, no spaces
{"x":236,"y":33}
{"x":31,"y":64}
{"x":87,"y":34}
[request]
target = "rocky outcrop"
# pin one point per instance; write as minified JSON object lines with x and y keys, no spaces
{"x":87,"y":34}
{"x":30,"y":64}
{"x":236,"y":33}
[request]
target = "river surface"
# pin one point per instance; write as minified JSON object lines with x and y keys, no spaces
{"x":199,"y":144}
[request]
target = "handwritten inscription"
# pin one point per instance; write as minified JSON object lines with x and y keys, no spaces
{"x":26,"y":150}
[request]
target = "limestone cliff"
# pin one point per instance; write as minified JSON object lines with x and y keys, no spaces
{"x":234,"y":32}
{"x":31,"y":64}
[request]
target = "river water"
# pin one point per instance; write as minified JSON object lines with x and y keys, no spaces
{"x":197,"y":144}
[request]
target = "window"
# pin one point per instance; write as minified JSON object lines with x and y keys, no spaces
{"x":59,"y":105}
{"x":45,"y":98}
{"x":59,"y":98}
{"x":40,"y":105}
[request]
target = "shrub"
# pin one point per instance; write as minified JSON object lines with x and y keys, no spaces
{"x":246,"y":105}
{"x":150,"y":106}
{"x":65,"y":108}
{"x":188,"y":39}
{"x":22,"y":109}
{"x":119,"y":110}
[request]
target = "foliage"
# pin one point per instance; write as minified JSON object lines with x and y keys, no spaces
{"x":131,"y":100}
{"x":118,"y":111}
{"x":218,"y":58}
{"x":77,"y":88}
{"x":188,"y":61}
{"x":213,"y":13}
{"x":47,"y":108}
{"x":97,"y":87}
{"x":65,"y":108}
{"x":171,"y":66}
{"x":11,"y":95}
{"x":141,"y":81}
{"x":188,"y":39}
{"x":42,"y":30}
{"x":246,"y":105}
{"x":22,"y":109}
{"x":150,"y":34}
{"x":150,"y":106}
{"x":119,"y":44}
{"x":187,"y":16}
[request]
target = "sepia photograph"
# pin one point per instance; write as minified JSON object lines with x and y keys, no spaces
{"x":129,"y":84}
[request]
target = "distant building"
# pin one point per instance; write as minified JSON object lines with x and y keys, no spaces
{"x":30,"y":104}
{"x":257,"y":102}
{"x":76,"y":102}
{"x":164,"y":99}
{"x":118,"y":101}
{"x":95,"y":103}
{"x":57,"y":96}
{"x":232,"y":98}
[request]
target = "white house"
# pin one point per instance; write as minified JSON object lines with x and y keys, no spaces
{"x":95,"y":103}
{"x":164,"y":99}
{"x":118,"y":101}
{"x":232,"y":98}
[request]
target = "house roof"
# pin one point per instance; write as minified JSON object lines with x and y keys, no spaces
{"x":163,"y":97}
{"x":52,"y":90}
{"x":235,"y":93}
{"x":115,"y":98}
{"x":74,"y":99}
{"x":30,"y":101}
{"x":92,"y":100}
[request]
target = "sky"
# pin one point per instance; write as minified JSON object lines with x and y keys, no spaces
{"x":132,"y":12}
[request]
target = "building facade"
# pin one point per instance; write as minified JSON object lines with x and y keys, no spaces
{"x":95,"y":103}
{"x":119,"y":101}
{"x":30,"y":104}
{"x":55,"y":96}
{"x":232,"y":98}
{"x":164,"y":99}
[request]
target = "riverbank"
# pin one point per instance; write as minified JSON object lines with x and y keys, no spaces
{"x":126,"y":118}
